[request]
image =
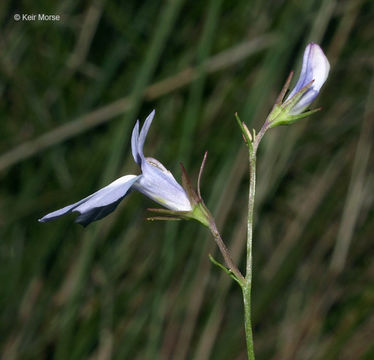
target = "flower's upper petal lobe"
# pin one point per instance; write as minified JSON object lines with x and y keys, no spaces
{"x":144,"y":132}
{"x":98,"y":204}
{"x":137,"y":140}
{"x":134,"y":143}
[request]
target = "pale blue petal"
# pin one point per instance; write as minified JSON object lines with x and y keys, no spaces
{"x":304,"y":102}
{"x":134,"y":143}
{"x":315,"y":68}
{"x":96,"y":213}
{"x":98,"y":204}
{"x":158,"y":184}
{"x":306,"y":75}
{"x":144,"y":132}
{"x":137,"y":140}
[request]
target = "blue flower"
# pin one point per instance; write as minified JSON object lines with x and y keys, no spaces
{"x":315,"y":68}
{"x":155,"y":182}
{"x":314,"y":73}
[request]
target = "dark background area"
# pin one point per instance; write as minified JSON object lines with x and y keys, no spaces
{"x":124,"y":288}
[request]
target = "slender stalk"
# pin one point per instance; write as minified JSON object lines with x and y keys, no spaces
{"x":251,"y":203}
{"x":248,"y":278}
{"x":225,"y":252}
{"x":252,"y":152}
{"x":253,"y":143}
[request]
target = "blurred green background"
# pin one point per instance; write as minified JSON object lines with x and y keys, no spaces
{"x":124,"y":288}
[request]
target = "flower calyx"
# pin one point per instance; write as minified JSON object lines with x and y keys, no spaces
{"x":199,"y":210}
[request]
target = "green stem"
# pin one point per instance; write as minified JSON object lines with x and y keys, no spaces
{"x":247,"y":321}
{"x":248,"y":278}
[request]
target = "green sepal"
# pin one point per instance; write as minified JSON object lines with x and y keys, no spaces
{"x":246,"y":134}
{"x":187,"y":186}
{"x":164,"y":218}
{"x":166,"y":214}
{"x":199,"y":213}
{"x":280,"y":114}
{"x":285,"y":119}
{"x":275,"y":113}
{"x":225,"y":269}
{"x":289,"y":104}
